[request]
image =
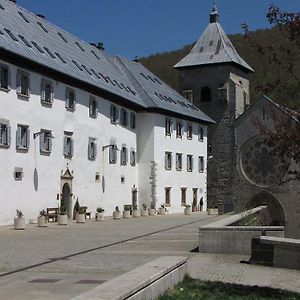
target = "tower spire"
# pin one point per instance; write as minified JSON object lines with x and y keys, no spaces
{"x":214,"y":16}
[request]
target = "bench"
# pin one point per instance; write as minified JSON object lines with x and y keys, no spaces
{"x":52,"y":213}
{"x":87,"y":213}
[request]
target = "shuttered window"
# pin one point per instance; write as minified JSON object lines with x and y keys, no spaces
{"x":201,"y":164}
{"x":189,"y":131}
{"x":23,"y":84}
{"x":5,"y":135}
{"x":4,"y":77}
{"x":93,"y":107}
{"x":124,"y":117}
{"x":189,"y":163}
{"x":114,"y":114}
{"x":124,"y":155}
{"x":70,"y":99}
{"x":68,"y":146}
{"x":132,"y":120}
{"x":179,"y":129}
{"x":169,"y":128}
{"x":22,"y":137}
{"x":92,"y":149}
{"x":168,"y":160}
{"x":47,"y":91}
{"x":132,"y":157}
{"x":178,"y":161}
{"x":113,"y":152}
{"x":45,"y":141}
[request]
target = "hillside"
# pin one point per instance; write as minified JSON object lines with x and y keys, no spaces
{"x":267,"y":73}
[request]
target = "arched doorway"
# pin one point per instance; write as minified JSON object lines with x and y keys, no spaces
{"x":66,"y":191}
{"x":66,"y":199}
{"x":274,"y":214}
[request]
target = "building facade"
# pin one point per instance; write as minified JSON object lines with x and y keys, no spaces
{"x":76,"y":122}
{"x":242,"y":171}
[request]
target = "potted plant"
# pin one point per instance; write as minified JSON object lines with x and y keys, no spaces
{"x":210,"y":211}
{"x":19,"y":221}
{"x":216,"y":210}
{"x":187,"y":210}
{"x":42,"y":220}
{"x":126,"y":212}
{"x":136,"y":212}
{"x":144,"y":211}
{"x":162,"y":210}
{"x":76,"y":208}
{"x":152,"y":209}
{"x":117,"y":214}
{"x":80,"y":215}
{"x":99,"y":214}
{"x":62,"y":218}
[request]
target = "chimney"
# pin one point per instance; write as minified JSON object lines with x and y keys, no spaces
{"x":136,"y":59}
{"x":100,"y":46}
{"x":41,"y":16}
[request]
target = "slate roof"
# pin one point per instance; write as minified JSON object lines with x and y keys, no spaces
{"x":34,"y":38}
{"x":213,"y":47}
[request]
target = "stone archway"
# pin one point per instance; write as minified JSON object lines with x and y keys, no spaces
{"x":66,"y":192}
{"x":274,"y":214}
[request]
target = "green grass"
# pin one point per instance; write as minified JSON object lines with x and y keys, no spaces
{"x":196,"y":289}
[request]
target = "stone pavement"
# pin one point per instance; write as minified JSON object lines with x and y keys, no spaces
{"x":227,"y":268}
{"x":61,"y":262}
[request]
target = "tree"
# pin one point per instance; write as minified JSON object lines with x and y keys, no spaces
{"x":285,"y":139}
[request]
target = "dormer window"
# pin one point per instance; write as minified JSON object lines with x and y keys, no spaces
{"x":188,"y":94}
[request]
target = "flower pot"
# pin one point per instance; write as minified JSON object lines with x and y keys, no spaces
{"x":152,"y":211}
{"x":19,"y":223}
{"x":117,"y":215}
{"x":62,"y":219}
{"x":216,"y":211}
{"x":99,"y":217}
{"x":144,"y":212}
{"x":210,"y":211}
{"x":136,"y":213}
{"x":162,"y":211}
{"x":80,"y":218}
{"x":126,"y":214}
{"x":42,"y":221}
{"x":188,"y":211}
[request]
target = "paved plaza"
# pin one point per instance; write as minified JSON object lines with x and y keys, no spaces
{"x":61,"y":262}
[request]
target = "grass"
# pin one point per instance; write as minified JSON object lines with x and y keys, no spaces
{"x":197,"y":289}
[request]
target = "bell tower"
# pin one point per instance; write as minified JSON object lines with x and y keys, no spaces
{"x":216,"y":79}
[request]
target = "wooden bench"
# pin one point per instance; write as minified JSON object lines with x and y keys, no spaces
{"x":52,"y":213}
{"x":87,"y":213}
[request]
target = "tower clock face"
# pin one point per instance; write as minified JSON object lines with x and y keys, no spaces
{"x":260,"y":165}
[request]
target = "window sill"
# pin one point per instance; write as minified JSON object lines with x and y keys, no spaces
{"x":6,"y":90}
{"x":189,"y":170}
{"x":4,"y":146}
{"x":200,"y":140}
{"x":45,"y":152}
{"x":46,"y":103}
{"x":168,"y":169}
{"x":168,"y":134}
{"x":179,"y":169}
{"x":167,"y":205}
{"x":21,"y":148}
{"x":189,"y":138}
{"x":94,"y":116}
{"x":24,"y":96}
{"x":179,"y":137}
{"x":70,"y":109}
{"x":69,"y":156}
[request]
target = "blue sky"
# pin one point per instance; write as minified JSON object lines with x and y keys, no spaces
{"x":142,"y":27}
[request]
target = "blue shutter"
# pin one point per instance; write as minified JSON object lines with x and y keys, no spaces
{"x":1,"y":134}
{"x":18,"y":137}
{"x":65,"y":146}
{"x":91,"y":107}
{"x":18,"y":82}
{"x":28,"y":138}
{"x":67,"y":104}
{"x":72,"y":147}
{"x":8,"y":135}
{"x":90,"y":149}
{"x":95,"y":150}
{"x":52,"y":92}
{"x":43,"y":94}
{"x":28,"y":88}
{"x":96,"y":102}
{"x":110,"y":155}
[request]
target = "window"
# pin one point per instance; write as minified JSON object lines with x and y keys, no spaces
{"x":168,"y":160}
{"x":113,"y":152}
{"x":188,"y":94}
{"x":70,"y":99}
{"x":18,"y":174}
{"x":124,"y":117}
{"x":68,"y":145}
{"x":178,"y":161}
{"x":5,"y":135}
{"x":93,"y":107}
{"x":45,"y":141}
{"x":201,"y":164}
{"x":23,"y":84}
{"x":189,"y":131}
{"x":114,"y":114}
{"x":132,"y":157}
{"x":205,"y":94}
{"x":222,"y":94}
{"x":167,"y":196}
{"x":92,"y":149}
{"x":47,"y":91}
{"x":4,"y":77}
{"x":189,"y":163}
{"x":168,"y":126}
{"x":124,"y":156}
{"x":179,"y":129}
{"x":183,"y":196}
{"x":201,"y":134}
{"x":132,"y":120}
{"x":22,"y":137}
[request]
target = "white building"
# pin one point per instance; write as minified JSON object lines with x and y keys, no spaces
{"x":77,"y":122}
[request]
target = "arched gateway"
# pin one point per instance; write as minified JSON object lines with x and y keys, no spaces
{"x":66,"y":191}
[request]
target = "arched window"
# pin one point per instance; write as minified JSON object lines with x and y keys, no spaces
{"x":205,"y":94}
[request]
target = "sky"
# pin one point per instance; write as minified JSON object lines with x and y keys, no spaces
{"x":143,"y":27}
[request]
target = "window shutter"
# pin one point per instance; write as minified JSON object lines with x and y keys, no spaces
{"x":18,"y":137}
{"x":96,"y":102}
{"x":110,"y":155}
{"x":28,"y":88}
{"x":43,"y":93}
{"x":28,"y":138}
{"x":126,"y":156}
{"x":52,"y":92}
{"x":95,"y":150}
{"x":19,"y":82}
{"x":1,"y":134}
{"x":111,"y":113}
{"x":67,"y":104}
{"x":166,"y":160}
{"x":8,"y":135}
{"x":117,"y":114}
{"x":65,"y":146}
{"x":74,"y":100}
{"x":90,"y":149}
{"x":72,"y":147}
{"x":91,"y":107}
{"x":9,"y":78}
{"x":42,"y":141}
{"x":1,"y":73}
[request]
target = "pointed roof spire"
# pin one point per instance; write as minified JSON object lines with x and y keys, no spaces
{"x":214,"y":16}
